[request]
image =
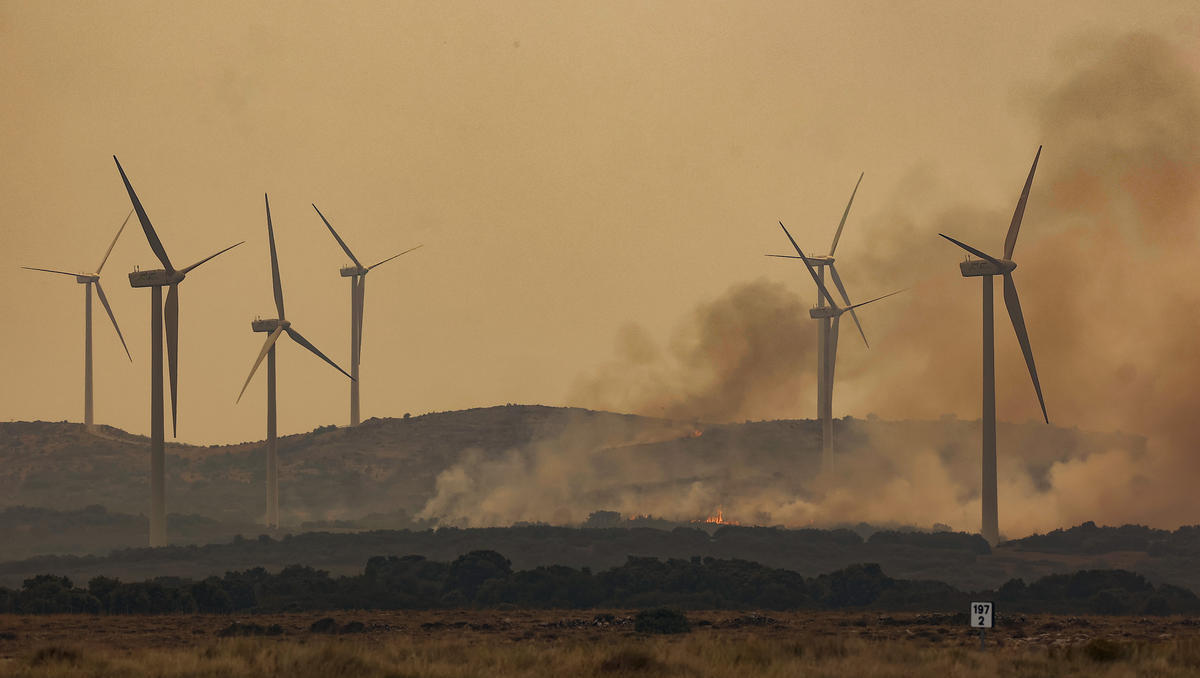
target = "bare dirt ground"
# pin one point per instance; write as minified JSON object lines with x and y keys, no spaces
{"x":20,"y":633}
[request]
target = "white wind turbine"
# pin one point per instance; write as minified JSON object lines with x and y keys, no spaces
{"x":167,"y":276}
{"x":830,"y":315}
{"x":358,"y":289}
{"x":826,"y":339}
{"x":985,"y":267}
{"x":88,"y":280}
{"x":275,"y":327}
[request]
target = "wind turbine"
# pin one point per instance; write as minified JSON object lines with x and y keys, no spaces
{"x":168,"y":276}
{"x":830,"y":315}
{"x":275,"y":327}
{"x":826,"y":340}
{"x":88,"y":280}
{"x":986,"y":267}
{"x":358,"y":287}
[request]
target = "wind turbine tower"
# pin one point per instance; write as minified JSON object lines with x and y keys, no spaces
{"x":275,"y":327}
{"x":157,"y":279}
{"x":826,"y":332}
{"x":358,"y":288}
{"x":829,"y":314}
{"x":88,"y":280}
{"x":986,"y":267}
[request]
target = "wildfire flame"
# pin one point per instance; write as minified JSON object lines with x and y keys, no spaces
{"x":719,"y":518}
{"x":697,"y":433}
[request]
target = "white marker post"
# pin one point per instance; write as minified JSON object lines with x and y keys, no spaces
{"x":982,"y":614}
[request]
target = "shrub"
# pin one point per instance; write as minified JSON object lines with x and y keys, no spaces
{"x":250,"y":629}
{"x":1103,"y":650}
{"x":325,"y":625}
{"x":661,"y":620}
{"x":469,"y":571}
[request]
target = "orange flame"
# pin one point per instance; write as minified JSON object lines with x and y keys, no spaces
{"x":719,"y":518}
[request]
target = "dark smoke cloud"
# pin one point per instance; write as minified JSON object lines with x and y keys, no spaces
{"x":1108,"y":285}
{"x":1105,"y":255}
{"x":749,"y":353}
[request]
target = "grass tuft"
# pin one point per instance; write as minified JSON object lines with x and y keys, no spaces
{"x":55,"y":654}
{"x":1103,"y":650}
{"x":631,"y":660}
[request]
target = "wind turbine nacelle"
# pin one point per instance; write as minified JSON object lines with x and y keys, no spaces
{"x":824,"y":312}
{"x":84,"y":279}
{"x":820,"y":259}
{"x":351,"y":271}
{"x":973,"y":268}
{"x":155,"y":278}
{"x":268,"y":324}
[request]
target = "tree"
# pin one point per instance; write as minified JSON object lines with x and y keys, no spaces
{"x":469,"y":571}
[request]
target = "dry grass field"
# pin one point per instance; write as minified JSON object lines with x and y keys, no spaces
{"x":578,"y":644}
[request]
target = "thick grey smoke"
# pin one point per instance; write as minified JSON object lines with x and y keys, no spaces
{"x":1106,"y":272}
{"x":1105,"y":254}
{"x":749,"y":353}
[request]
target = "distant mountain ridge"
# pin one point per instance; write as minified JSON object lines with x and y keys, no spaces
{"x":379,"y":466}
{"x":391,"y":466}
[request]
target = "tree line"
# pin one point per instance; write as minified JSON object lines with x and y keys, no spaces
{"x":1089,"y":538}
{"x":486,"y":579}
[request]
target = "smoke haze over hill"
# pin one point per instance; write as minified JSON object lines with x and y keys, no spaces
{"x":1108,"y":241}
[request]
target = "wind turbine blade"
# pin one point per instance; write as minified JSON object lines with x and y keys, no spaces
{"x":362,"y":295}
{"x":261,"y":354}
{"x":889,"y":294}
{"x":1013,"y":304}
{"x":338,"y":238}
{"x":113,"y":318}
{"x":151,"y":236}
{"x":813,"y":273}
{"x":189,"y":268}
{"x":782,"y":256}
{"x":837,"y":281}
{"x":114,"y":242}
{"x":394,"y":256}
{"x":171,"y":320}
{"x":838,"y":235}
{"x":972,"y":250}
{"x":1010,"y":241}
{"x":50,"y":270}
{"x":275,"y":284}
{"x":296,"y":336}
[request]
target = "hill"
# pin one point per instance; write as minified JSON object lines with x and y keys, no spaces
{"x":381,"y":466}
{"x":502,"y":465}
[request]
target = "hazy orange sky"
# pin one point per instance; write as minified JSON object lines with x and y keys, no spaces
{"x":569,"y":167}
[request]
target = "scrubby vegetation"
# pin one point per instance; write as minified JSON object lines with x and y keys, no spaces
{"x":698,"y":655}
{"x":486,"y":579}
{"x":1089,"y":538}
{"x":808,"y":551}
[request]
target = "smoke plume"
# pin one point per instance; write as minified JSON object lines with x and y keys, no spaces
{"x":1106,"y":276}
{"x":749,"y":353}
